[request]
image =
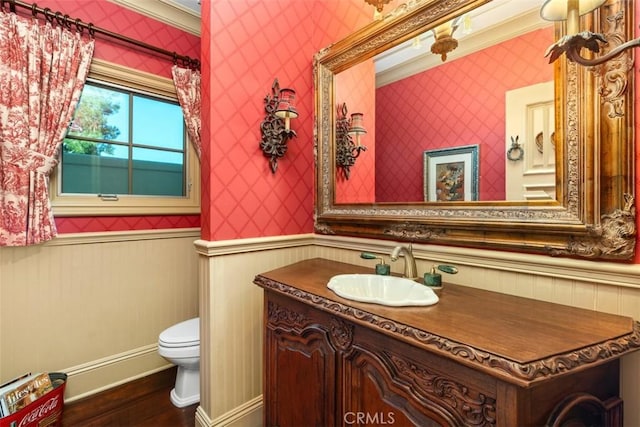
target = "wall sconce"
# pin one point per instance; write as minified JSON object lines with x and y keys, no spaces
{"x":276,"y":127}
{"x":346,"y":150}
{"x":574,"y":41}
{"x":445,"y":43}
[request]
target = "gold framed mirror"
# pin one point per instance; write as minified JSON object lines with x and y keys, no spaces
{"x":591,"y":213}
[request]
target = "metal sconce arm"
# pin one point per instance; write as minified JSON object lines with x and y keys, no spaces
{"x":573,"y":44}
{"x":275,"y":134}
{"x":346,"y":150}
{"x":575,"y":40}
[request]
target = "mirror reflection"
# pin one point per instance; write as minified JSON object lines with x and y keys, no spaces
{"x":479,"y":81}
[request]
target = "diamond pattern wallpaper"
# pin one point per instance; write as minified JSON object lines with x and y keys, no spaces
{"x":461,"y":102}
{"x":246,"y":44}
{"x":117,"y":19}
{"x":356,"y":88}
{"x":123,"y":21}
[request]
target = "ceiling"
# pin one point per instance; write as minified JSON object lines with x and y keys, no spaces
{"x":181,"y":14}
{"x":192,"y":5}
{"x":492,"y":23}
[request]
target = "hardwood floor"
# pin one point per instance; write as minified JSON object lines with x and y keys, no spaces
{"x":141,"y":403}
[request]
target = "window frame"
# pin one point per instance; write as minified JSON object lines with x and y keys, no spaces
{"x":94,"y":205}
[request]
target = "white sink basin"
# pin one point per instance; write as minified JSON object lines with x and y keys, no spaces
{"x":384,"y":290}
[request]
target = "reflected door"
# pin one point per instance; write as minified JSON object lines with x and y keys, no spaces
{"x":530,"y":170}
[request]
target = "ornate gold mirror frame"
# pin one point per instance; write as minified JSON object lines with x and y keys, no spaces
{"x":593,"y":215}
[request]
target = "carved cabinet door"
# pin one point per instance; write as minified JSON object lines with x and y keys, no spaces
{"x":371,"y":398}
{"x":299,"y":376}
{"x":389,"y":382}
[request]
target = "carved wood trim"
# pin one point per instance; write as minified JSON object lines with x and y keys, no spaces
{"x":609,"y":239}
{"x":586,"y":409}
{"x":473,"y":407}
{"x":283,"y":317}
{"x":517,"y":373}
{"x":425,"y":397}
{"x":341,"y":333}
{"x":612,"y":75}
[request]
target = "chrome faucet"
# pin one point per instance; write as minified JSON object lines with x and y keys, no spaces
{"x":410,"y":270}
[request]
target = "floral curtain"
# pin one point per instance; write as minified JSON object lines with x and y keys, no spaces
{"x":187,"y":83}
{"x":42,"y":72}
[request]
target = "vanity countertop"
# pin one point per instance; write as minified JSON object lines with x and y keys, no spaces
{"x":518,"y":339}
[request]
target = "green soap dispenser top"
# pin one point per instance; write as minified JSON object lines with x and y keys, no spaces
{"x":433,"y":279}
{"x":382,"y":268}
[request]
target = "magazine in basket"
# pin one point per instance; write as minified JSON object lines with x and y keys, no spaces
{"x":45,"y":411}
{"x":21,"y":392}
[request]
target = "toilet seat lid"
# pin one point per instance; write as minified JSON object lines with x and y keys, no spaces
{"x":183,"y":334}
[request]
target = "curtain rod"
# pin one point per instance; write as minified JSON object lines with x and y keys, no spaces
{"x":68,"y":22}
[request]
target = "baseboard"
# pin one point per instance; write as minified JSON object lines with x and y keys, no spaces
{"x":248,"y":414}
{"x":109,"y":372}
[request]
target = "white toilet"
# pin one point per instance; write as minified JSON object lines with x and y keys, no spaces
{"x":180,"y":345}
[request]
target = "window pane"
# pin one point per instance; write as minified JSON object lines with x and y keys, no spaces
{"x":157,"y":123}
{"x":101,"y":114}
{"x":157,"y":172}
{"x":87,"y":172}
{"x":117,"y":151}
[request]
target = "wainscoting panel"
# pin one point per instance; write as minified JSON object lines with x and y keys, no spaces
{"x":93,"y":304}
{"x":231,"y":308}
{"x":232,"y":369}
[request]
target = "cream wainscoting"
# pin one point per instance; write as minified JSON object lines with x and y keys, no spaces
{"x":92,"y":305}
{"x":231,"y":324}
{"x":231,"y":305}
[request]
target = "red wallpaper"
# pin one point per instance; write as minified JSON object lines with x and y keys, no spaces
{"x":114,"y":18}
{"x":120,"y":20}
{"x":246,"y":44}
{"x":356,"y":87}
{"x":125,"y":223}
{"x":247,"y":49}
{"x":465,"y":105}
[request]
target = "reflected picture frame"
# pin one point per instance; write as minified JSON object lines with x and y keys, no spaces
{"x":451,"y":174}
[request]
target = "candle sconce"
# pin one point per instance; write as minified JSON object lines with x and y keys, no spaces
{"x":275,"y":128}
{"x":347,"y":151}
{"x":575,"y":39}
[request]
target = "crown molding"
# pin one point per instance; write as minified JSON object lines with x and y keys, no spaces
{"x":165,"y":11}
{"x":517,"y":26}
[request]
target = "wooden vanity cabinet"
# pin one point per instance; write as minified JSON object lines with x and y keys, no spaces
{"x":300,"y":368}
{"x":333,"y":362}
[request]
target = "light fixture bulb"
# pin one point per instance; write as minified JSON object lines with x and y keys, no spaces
{"x":568,"y":10}
{"x":467,"y":27}
{"x":285,"y":109}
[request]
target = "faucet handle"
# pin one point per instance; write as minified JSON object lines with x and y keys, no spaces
{"x":382,"y":268}
{"x":368,"y":255}
{"x":448,"y":269}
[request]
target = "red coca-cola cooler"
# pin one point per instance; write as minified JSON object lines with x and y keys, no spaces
{"x":43,"y":412}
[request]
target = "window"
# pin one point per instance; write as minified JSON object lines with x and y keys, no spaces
{"x":126,"y":150}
